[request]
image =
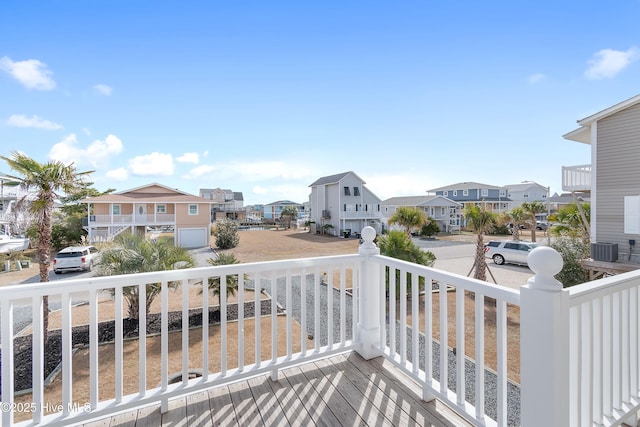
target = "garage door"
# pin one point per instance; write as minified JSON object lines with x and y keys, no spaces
{"x":192,"y":237}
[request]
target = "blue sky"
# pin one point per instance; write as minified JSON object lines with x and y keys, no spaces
{"x":266,"y":97}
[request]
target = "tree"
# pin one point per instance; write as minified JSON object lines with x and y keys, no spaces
{"x":408,"y":218}
{"x":430,"y":228}
{"x":533,"y":209}
{"x":516,"y":217}
{"x":573,"y":251}
{"x":50,"y":180}
{"x":396,"y":244}
{"x":132,"y":253}
{"x":288,"y":214}
{"x":232,"y":279}
{"x":226,"y":234}
{"x":481,"y":221}
{"x":573,"y":222}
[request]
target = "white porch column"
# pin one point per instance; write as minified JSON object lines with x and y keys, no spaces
{"x":544,"y":343}
{"x":369,"y":297}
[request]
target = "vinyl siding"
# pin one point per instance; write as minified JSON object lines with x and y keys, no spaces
{"x":618,"y":174}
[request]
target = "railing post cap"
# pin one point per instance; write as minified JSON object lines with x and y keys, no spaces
{"x":545,"y":262}
{"x":368,"y":235}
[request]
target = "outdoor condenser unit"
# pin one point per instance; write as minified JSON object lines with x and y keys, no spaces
{"x":604,"y":251}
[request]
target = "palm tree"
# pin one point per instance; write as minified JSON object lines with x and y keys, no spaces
{"x":481,"y":221}
{"x":408,"y":218}
{"x":533,"y":209}
{"x":232,"y":279}
{"x":516,"y":217}
{"x":396,"y":244}
{"x":132,"y":253}
{"x":49,"y":180}
{"x":288,"y":214}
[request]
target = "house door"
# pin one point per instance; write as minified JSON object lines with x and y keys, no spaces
{"x":141,"y":213}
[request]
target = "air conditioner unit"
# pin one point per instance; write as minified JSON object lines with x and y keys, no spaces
{"x":604,"y":251}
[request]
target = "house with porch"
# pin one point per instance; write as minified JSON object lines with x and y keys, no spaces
{"x":343,"y":202}
{"x":444,"y":211}
{"x":495,"y":198}
{"x":224,"y":203}
{"x":273,"y":210}
{"x":612,"y":179}
{"x":150,"y":207}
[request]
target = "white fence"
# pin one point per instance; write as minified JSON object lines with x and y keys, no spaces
{"x":579,"y":347}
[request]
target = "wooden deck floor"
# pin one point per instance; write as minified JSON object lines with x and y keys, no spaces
{"x":342,"y":390}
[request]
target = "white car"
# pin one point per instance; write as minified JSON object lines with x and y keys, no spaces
{"x":508,"y":251}
{"x":75,"y":258}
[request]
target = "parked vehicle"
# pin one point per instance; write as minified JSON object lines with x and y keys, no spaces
{"x":508,"y":251}
{"x":542,"y":225}
{"x":75,"y":258}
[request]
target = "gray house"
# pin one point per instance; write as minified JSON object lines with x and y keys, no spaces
{"x":613,"y":178}
{"x":495,"y":198}
{"x":343,"y":203}
{"x":445,"y":211}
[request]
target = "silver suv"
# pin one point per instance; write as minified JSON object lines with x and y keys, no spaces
{"x":75,"y":258}
{"x":508,"y":251}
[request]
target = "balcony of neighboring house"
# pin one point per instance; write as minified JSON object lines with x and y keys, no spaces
{"x":131,"y":219}
{"x":350,"y":339}
{"x":576,"y":178}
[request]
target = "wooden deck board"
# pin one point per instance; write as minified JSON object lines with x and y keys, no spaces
{"x":341,"y":390}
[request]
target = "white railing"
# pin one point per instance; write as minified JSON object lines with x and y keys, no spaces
{"x":578,"y":361}
{"x":147,"y":219}
{"x":293,"y":284}
{"x":604,"y":331}
{"x":576,"y":178}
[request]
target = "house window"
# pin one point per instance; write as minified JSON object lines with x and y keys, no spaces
{"x":445,"y":193}
{"x":544,"y":196}
{"x":345,"y":206}
{"x":525,"y":195}
{"x":465,"y":192}
{"x":484,"y":192}
{"x":161,"y":209}
{"x":432,"y":212}
{"x":357,"y":208}
{"x":356,"y":191}
{"x":503,"y":193}
{"x":346,"y":191}
{"x":455,"y":193}
{"x":193,"y":209}
{"x":443,"y":211}
{"x":115,"y":209}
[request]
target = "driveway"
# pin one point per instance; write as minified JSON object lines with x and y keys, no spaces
{"x":457,"y":257}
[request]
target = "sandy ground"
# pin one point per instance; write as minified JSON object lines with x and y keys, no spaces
{"x":254,"y":246}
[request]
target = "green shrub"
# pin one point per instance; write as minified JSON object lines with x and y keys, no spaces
{"x":226,"y":234}
{"x":430,"y":228}
{"x":573,"y":250}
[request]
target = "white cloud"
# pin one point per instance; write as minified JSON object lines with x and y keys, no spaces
{"x":22,"y":121}
{"x":152,"y":164}
{"x":31,"y":73}
{"x":103,"y":89}
{"x":199,"y":171}
{"x":252,"y":171}
{"x":410,"y":183}
{"x":96,"y":154}
{"x":120,"y":174}
{"x":189,"y":158}
{"x":295,"y":192}
{"x":607,"y":63}
{"x":536,"y":78}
